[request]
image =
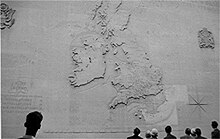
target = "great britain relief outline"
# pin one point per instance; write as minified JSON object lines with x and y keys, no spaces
{"x":102,"y":47}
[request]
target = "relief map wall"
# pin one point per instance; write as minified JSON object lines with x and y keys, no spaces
{"x":98,"y":69}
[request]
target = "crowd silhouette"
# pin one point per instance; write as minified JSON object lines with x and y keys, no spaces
{"x":193,"y":133}
{"x":34,"y":119}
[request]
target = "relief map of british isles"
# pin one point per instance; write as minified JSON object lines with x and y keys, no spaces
{"x":98,"y":69}
{"x":107,"y":52}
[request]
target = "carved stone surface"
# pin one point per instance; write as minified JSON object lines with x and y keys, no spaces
{"x":206,"y":39}
{"x":19,"y":87}
{"x":7,"y":19}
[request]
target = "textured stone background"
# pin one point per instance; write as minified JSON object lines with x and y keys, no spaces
{"x":36,"y":45}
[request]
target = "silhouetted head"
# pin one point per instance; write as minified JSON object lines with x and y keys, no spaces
{"x":148,"y":134}
{"x":188,"y":131}
{"x":214,"y":124}
{"x":168,"y":129}
{"x":193,"y":132}
{"x":137,"y":131}
{"x":154,"y":132}
{"x":198,"y":132}
{"x":33,"y":120}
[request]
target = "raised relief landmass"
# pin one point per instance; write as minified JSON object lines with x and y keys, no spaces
{"x":88,"y":63}
{"x":136,"y":82}
{"x":108,"y":49}
{"x":89,"y":57}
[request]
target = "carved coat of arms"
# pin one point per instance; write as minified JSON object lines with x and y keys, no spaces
{"x":7,"y":19}
{"x":206,"y":39}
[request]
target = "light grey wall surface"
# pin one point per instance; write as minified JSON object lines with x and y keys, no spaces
{"x":36,"y":63}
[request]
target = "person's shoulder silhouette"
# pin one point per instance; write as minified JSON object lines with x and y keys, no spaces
{"x":154,"y":133}
{"x":187,"y":134}
{"x":168,"y":130}
{"x":199,"y":134}
{"x":148,"y":134}
{"x":136,"y":134}
{"x":32,"y":124}
{"x":215,"y":134}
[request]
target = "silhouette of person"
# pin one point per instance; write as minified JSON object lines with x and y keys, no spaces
{"x":215,"y":134}
{"x":168,"y":130}
{"x":193,"y":133}
{"x":154,"y":133}
{"x":148,"y":134}
{"x":199,"y":134}
{"x":32,"y":124}
{"x":136,"y":134}
{"x":187,"y":134}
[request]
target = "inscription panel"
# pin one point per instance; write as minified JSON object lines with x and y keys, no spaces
{"x":15,"y":106}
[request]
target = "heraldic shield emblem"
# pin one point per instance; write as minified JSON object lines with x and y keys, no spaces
{"x":7,"y":19}
{"x":206,"y":39}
